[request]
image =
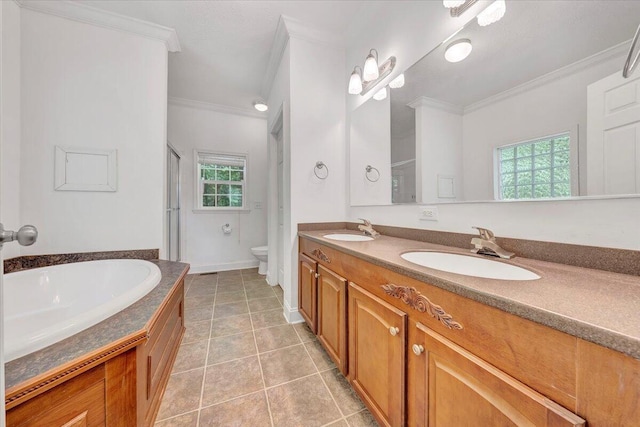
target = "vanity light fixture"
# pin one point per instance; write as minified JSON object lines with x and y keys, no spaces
{"x":493,"y":13}
{"x":355,"y":82}
{"x":260,"y":105}
{"x":450,"y":4}
{"x":370,"y":71}
{"x":398,"y":82}
{"x":458,"y":50}
{"x":381,"y":94}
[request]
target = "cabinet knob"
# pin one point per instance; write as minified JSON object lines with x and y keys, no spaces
{"x":317,"y":275}
{"x":394,"y":331}
{"x":417,"y":349}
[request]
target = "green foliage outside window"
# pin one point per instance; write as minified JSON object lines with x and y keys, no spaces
{"x":222,"y":185}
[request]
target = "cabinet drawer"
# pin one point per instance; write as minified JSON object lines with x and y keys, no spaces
{"x":323,"y":255}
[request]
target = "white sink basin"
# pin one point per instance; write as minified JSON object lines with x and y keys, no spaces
{"x":348,"y":237}
{"x":469,"y":265}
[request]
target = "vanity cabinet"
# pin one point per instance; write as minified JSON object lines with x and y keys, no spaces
{"x":377,"y":342}
{"x":308,"y":291}
{"x":332,"y":311}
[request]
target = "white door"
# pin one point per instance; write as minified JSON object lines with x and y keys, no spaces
{"x":280,"y":150}
{"x":613,"y":135}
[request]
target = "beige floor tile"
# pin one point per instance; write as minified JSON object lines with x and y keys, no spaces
{"x":197,"y":314}
{"x":279,"y":292}
{"x":186,"y":420}
{"x":319,"y":355}
{"x":362,"y":419}
{"x":231,"y":379}
{"x":196,"y":290}
{"x":286,"y":364}
{"x":267,"y":319}
{"x":191,"y":356}
{"x":225,"y":298}
{"x":260,"y":293}
{"x":339,"y":423}
{"x":229,"y":273}
{"x":182,"y":394}
{"x":276,"y":337}
{"x":231,"y":347}
{"x":304,"y":332}
{"x":230,"y":287}
{"x":199,"y":301}
{"x":347,"y":399}
{"x":248,"y":410}
{"x":230,"y":325}
{"x":263,"y":304}
{"x":252,"y":277}
{"x":304,"y":402}
{"x":256,"y":284}
{"x":230,"y":280}
{"x":249,"y":270}
{"x":202,"y":279}
{"x":197,"y":331}
{"x":230,"y":309}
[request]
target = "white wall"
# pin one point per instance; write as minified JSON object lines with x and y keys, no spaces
{"x":10,"y":121}
{"x":557,"y":106}
{"x":204,"y":245}
{"x":370,"y":137}
{"x":93,"y":87}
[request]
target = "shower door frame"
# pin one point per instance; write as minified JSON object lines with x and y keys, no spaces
{"x":171,"y":151}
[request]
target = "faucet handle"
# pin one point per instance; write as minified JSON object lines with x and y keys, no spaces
{"x":485,"y":233}
{"x":367,"y":223}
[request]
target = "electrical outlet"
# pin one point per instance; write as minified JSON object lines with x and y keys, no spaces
{"x":428,"y":213}
{"x":257,"y":205}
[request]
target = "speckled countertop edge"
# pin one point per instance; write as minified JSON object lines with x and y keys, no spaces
{"x":126,"y":322}
{"x":594,"y":305}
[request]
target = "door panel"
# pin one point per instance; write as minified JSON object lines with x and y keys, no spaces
{"x":332,"y":316}
{"x":308,"y":290}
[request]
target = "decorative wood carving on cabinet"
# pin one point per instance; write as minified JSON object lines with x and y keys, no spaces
{"x":377,"y":355}
{"x":484,"y":395}
{"x":332,"y":312}
{"x":419,"y":302}
{"x":308,"y":291}
{"x":321,"y":255}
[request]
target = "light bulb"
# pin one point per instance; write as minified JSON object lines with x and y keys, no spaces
{"x":450,"y":4}
{"x":381,"y":94}
{"x":458,"y":50}
{"x":260,"y":106}
{"x":493,"y":13}
{"x":370,"y":71}
{"x":398,"y":82}
{"x":355,"y":82}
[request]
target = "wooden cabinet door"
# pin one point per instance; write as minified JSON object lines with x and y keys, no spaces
{"x":460,"y":389}
{"x":332,"y":316}
{"x":377,"y":355}
{"x":308,"y":290}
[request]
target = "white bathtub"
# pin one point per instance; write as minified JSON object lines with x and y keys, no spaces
{"x":45,"y":305}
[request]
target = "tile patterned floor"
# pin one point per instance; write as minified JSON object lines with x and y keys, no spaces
{"x":241,"y":364}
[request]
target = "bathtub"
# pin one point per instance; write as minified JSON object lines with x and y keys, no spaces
{"x":45,"y":305}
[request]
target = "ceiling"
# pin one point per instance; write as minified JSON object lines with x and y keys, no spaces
{"x":226,"y":44}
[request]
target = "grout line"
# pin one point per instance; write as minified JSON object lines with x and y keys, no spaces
{"x":206,"y":359}
{"x":175,"y":416}
{"x":291,"y":381}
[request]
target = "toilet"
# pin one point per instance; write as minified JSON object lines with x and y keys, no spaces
{"x":260,"y":252}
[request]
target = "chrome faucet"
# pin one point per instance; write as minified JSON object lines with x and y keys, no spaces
{"x":366,"y":228}
{"x":485,"y":244}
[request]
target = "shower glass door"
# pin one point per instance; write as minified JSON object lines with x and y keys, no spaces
{"x":173,"y":204}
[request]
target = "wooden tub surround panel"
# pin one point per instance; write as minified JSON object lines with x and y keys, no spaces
{"x":421,"y":355}
{"x":117,"y":385}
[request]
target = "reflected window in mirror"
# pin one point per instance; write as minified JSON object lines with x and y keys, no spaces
{"x":539,"y":169}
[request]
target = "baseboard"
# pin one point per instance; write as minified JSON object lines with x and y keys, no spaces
{"x":211,"y":268}
{"x":291,"y":314}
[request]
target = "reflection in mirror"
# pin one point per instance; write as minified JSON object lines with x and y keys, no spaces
{"x":539,"y":109}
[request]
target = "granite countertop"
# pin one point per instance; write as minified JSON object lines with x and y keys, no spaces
{"x":598,"y":306}
{"x":131,"y":320}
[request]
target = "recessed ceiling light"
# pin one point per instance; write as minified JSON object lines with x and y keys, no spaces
{"x":493,"y":13}
{"x":458,"y":50}
{"x":260,"y":106}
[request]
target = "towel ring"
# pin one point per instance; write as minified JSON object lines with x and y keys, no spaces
{"x":630,"y":65}
{"x":368,"y":170}
{"x":319,"y":166}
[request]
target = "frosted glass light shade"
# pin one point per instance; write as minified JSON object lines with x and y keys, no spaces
{"x":493,"y":13}
{"x":370,"y":71}
{"x":381,"y":94}
{"x":355,"y":82}
{"x":450,"y":4}
{"x":398,"y":82}
{"x":458,"y":50}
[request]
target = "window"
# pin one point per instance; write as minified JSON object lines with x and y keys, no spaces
{"x":220,"y":181}
{"x":535,"y":169}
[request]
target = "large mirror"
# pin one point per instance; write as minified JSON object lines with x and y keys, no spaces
{"x":539,"y":109}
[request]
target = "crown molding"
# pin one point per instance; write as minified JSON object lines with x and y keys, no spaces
{"x":103,"y":18}
{"x":423,"y":101}
{"x":226,"y":109}
{"x":292,"y":28}
{"x":590,"y":61}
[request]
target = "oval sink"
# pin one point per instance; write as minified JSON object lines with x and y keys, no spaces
{"x":469,"y":265}
{"x":348,"y":237}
